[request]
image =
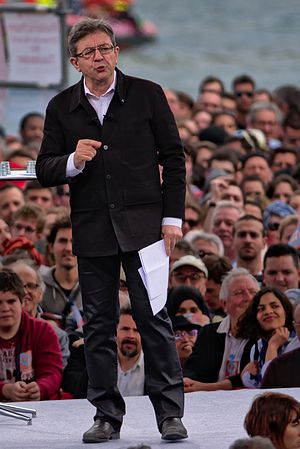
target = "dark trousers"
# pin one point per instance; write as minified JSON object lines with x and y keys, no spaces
{"x":99,"y":281}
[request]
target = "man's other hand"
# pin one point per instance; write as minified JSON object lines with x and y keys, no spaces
{"x":171,"y":235}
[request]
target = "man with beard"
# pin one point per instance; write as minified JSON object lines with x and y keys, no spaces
{"x":249,"y":242}
{"x":62,"y":294}
{"x":131,"y":373}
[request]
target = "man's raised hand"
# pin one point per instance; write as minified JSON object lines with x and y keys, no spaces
{"x":86,"y":150}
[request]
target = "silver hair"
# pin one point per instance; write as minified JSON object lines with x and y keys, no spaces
{"x":84,"y":28}
{"x":256,"y":442}
{"x":264,"y":106}
{"x":30,"y":263}
{"x":211,"y":238}
{"x":233,"y":274}
{"x":225,"y":205}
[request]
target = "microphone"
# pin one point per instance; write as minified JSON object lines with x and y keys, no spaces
{"x":109,"y":116}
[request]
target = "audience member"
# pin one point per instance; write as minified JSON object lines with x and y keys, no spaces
{"x":218,"y":268}
{"x":11,"y":198}
{"x":182,"y":248}
{"x":219,"y":356}
{"x":268,"y":321}
{"x":287,"y":227}
{"x":281,"y":267}
{"x":186,"y":301}
{"x":243,"y":87}
{"x":256,"y":163}
{"x":283,"y":158}
{"x":282,"y":371}
{"x":204,"y":243}
{"x":224,"y":217}
{"x":39,"y":195}
{"x":191,"y":271}
{"x":185,"y":333}
{"x":31,"y":129}
{"x":30,"y":357}
{"x":131,"y":374}
{"x":253,"y":186}
{"x":28,"y":221}
{"x":34,"y":287}
{"x":291,"y":128}
{"x":282,"y":188}
{"x":249,"y":243}
{"x":267,"y":117}
{"x":273,"y":215}
{"x":276,"y":416}
{"x":62,"y":294}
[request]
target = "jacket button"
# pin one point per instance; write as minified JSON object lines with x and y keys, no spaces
{"x":108,"y":177}
{"x":112,"y":205}
{"x":105,"y":147}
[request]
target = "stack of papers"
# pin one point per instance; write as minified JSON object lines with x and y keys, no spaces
{"x":155,"y":274}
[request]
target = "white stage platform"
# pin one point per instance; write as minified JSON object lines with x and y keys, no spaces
{"x":213,"y":419}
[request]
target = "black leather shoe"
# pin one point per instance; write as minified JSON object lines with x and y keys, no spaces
{"x":173,"y":429}
{"x":100,"y":432}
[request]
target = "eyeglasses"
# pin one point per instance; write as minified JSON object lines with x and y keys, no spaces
{"x":27,"y":228}
{"x":273,"y":226}
{"x":248,"y":94}
{"x":90,"y":52}
{"x":195,"y":277}
{"x":31,"y":286}
{"x":180,"y":335}
{"x":202,"y":253}
{"x":244,"y":292}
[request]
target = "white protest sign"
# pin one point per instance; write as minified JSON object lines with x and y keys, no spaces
{"x":33,"y":48}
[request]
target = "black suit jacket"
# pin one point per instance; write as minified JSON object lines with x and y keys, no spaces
{"x":206,"y":359}
{"x":118,"y":200}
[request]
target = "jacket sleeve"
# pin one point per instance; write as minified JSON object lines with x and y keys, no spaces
{"x":170,"y":155}
{"x":52,"y":159}
{"x":270,"y":378}
{"x":47,"y":360}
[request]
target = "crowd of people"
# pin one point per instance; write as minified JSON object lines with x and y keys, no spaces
{"x":234,"y":297}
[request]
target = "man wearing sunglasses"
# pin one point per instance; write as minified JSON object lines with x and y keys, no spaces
{"x":243,"y":88}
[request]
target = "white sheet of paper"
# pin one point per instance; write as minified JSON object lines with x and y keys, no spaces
{"x":155,"y":273}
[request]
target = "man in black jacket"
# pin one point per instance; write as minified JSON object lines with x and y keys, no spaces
{"x":106,"y":136}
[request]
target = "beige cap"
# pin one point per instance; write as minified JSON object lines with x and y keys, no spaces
{"x":191,"y":261}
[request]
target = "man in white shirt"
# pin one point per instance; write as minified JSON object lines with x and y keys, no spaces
{"x":131,"y":373}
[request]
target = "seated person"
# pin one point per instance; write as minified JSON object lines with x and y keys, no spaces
{"x":186,"y":334}
{"x":33,"y":288}
{"x":131,"y":375}
{"x":219,"y":355}
{"x":283,"y":371}
{"x":188,"y":301}
{"x":269,"y":321}
{"x":30,"y":357}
